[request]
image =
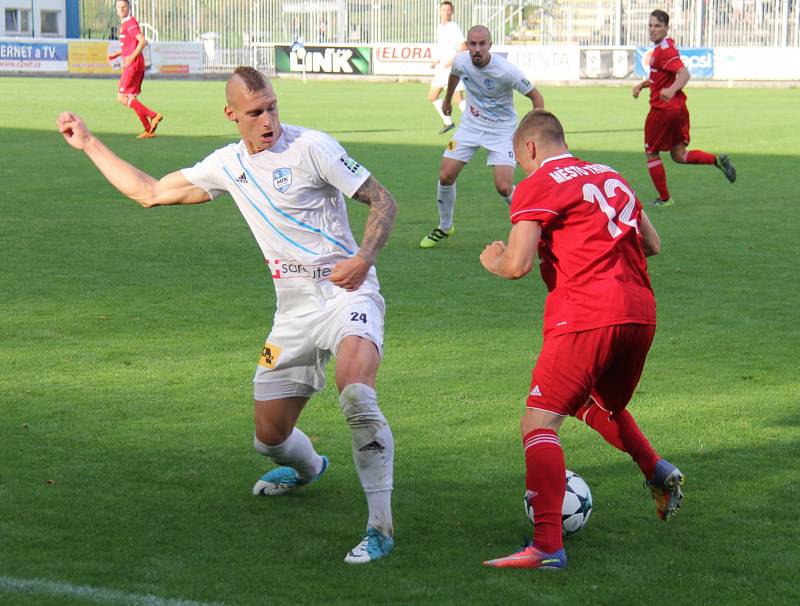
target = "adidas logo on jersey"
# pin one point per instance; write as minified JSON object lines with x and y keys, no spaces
{"x":241,"y":178}
{"x":536,"y":391}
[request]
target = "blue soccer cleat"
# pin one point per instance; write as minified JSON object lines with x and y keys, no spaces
{"x":372,"y":547}
{"x":283,"y":480}
{"x":665,"y":486}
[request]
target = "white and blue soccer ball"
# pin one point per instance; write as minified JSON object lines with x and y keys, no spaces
{"x":577,"y":506}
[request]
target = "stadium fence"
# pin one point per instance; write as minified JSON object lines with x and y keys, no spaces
{"x":245,"y":31}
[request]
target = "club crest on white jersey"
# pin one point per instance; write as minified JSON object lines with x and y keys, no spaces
{"x":282,"y":179}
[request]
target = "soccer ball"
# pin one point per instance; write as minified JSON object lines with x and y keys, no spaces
{"x":577,"y":506}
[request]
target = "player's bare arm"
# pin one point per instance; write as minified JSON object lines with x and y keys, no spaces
{"x":536,"y":98}
{"x":638,"y":88}
{"x":650,"y":237}
{"x":447,"y":102}
{"x":514,"y":260}
{"x":351,"y":273}
{"x":129,"y":180}
{"x":681,"y":78}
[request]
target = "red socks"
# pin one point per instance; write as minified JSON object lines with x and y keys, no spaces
{"x":622,"y":432}
{"x":143,"y":112}
{"x":697,"y":156}
{"x":636,"y":444}
{"x":600,"y":420}
{"x":659,"y":177}
{"x":544,"y":477}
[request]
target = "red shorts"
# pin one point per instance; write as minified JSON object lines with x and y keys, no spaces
{"x":130,"y":82}
{"x":666,"y":128}
{"x":604,"y":363}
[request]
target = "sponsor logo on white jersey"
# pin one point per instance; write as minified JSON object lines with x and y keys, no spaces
{"x":281,"y":269}
{"x":351,"y":165}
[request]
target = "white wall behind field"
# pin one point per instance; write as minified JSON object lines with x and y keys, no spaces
{"x":35,"y":8}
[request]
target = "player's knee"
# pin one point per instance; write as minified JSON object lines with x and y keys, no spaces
{"x":360,"y":407}
{"x":270,"y":435}
{"x":504,"y":189}
{"x":678,"y":156}
{"x":446,"y":179}
{"x":270,"y":431}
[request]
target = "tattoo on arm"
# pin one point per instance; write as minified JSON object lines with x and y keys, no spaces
{"x":382,"y":211}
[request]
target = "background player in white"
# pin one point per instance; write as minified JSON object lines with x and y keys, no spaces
{"x":489,"y":122}
{"x":449,"y":42}
{"x":287,"y":182}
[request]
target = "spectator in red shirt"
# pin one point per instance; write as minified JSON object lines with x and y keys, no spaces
{"x":132,"y":42}
{"x":591,"y":236}
{"x":667,"y":124}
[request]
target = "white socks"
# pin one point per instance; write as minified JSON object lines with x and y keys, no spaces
{"x":510,"y":196}
{"x":373,"y":452}
{"x":437,"y":105}
{"x":295,"y":452}
{"x":446,"y":197}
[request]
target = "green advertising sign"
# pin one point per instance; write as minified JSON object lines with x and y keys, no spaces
{"x":352,"y":60}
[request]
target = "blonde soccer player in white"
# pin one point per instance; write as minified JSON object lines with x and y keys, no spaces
{"x":449,"y":42}
{"x":489,"y":122}
{"x":288,"y":181}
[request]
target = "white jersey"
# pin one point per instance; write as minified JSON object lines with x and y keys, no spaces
{"x":449,"y":39}
{"x":490,"y":92}
{"x":291,"y":197}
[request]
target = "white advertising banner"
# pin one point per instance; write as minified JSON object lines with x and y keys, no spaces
{"x":33,"y":55}
{"x":176,"y":57}
{"x":402,"y":59}
{"x":545,"y":62}
{"x":89,"y":56}
{"x":766,"y":63}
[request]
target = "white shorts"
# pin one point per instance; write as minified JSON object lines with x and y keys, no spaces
{"x":466,"y":142}
{"x":440,"y":78}
{"x":292,"y":363}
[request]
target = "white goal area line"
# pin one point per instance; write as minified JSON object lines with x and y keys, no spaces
{"x":92,"y":594}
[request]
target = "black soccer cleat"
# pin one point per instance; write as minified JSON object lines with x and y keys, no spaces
{"x":726,"y":166}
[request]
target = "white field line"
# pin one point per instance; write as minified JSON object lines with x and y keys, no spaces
{"x":91,"y":594}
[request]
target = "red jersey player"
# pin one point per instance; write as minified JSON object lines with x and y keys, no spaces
{"x":667,"y":124}
{"x":592,"y":237}
{"x":132,"y":41}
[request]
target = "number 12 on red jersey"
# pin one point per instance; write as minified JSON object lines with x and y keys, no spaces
{"x":593,"y":194}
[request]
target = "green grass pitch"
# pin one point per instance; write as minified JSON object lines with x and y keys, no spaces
{"x":128,"y":339}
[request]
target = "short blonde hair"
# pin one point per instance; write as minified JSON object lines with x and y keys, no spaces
{"x":541,"y":125}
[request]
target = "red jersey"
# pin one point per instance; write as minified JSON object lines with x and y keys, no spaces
{"x":128,"y":30}
{"x":665,"y":61}
{"x":591,"y":252}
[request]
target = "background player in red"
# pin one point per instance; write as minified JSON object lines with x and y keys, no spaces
{"x":667,"y":124}
{"x":132,"y":41}
{"x":592,"y":237}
